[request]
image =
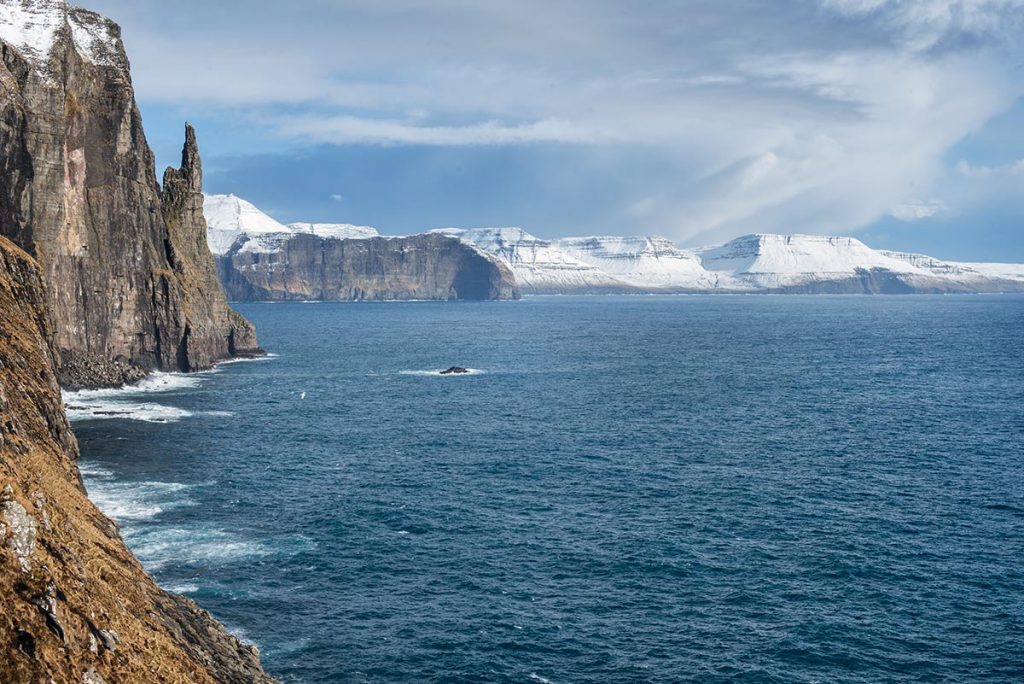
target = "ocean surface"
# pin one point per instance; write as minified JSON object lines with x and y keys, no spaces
{"x":649,"y":489}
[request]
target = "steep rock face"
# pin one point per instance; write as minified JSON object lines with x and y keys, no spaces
{"x":306,"y":267}
{"x":80,"y":194}
{"x":75,"y":605}
{"x":205,"y":314}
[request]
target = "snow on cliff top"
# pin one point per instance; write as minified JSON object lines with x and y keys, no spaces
{"x":797,"y":254}
{"x":228,"y":218}
{"x":341,"y":231}
{"x":32,"y":27}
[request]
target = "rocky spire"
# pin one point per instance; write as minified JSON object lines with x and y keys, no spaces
{"x":181,"y":183}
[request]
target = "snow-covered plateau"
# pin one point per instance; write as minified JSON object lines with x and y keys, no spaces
{"x":33,"y":29}
{"x":756,"y":263}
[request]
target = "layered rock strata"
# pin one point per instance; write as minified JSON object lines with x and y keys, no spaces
{"x":302,"y":266}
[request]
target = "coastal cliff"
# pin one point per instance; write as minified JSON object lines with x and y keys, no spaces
{"x":302,"y":266}
{"x":75,"y":605}
{"x":129,"y":284}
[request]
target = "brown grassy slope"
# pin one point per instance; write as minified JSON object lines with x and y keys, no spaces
{"x":75,"y":605}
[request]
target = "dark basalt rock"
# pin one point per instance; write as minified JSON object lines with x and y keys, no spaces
{"x":455,"y":370}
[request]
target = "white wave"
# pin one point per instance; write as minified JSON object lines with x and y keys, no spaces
{"x":89,"y":470}
{"x":245,"y":359}
{"x":112,"y":403}
{"x":181,"y":587}
{"x":157,"y":547}
{"x":127,"y":501}
{"x":155,"y":382}
{"x":147,"y":412}
{"x":437,"y":373}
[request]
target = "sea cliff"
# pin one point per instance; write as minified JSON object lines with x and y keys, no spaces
{"x":105,"y":276}
{"x":75,"y":605}
{"x":129,"y":285}
{"x":302,"y":266}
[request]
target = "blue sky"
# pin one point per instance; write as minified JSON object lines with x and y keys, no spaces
{"x":895,"y":121}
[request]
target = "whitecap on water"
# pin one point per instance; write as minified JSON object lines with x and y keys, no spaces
{"x":181,"y":587}
{"x":243,"y":359}
{"x":158,"y":546}
{"x":146,"y":411}
{"x":127,"y":501}
{"x":116,"y":402}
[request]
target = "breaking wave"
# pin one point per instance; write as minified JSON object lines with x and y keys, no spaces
{"x":123,"y":402}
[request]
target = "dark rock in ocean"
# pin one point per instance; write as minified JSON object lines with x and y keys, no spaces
{"x":455,"y":370}
{"x":308,"y":267}
{"x":129,"y":279}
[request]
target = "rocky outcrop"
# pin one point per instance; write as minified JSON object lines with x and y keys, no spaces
{"x":206,"y":314}
{"x":307,"y":267}
{"x":75,"y":605}
{"x":129,"y":283}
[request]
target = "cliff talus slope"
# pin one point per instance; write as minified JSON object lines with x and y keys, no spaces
{"x":75,"y":605}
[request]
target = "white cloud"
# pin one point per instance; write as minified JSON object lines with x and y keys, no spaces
{"x":355,"y":130}
{"x":918,"y":209}
{"x":793,"y":116}
{"x":969,"y":170}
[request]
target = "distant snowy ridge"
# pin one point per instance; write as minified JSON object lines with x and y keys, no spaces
{"x":754,"y":263}
{"x":233,"y":224}
{"x":751,"y":263}
{"x":340,"y":231}
{"x":538,"y":265}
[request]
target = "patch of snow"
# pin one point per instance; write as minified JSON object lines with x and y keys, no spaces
{"x":340,"y":231}
{"x":229,"y":218}
{"x":33,"y":28}
{"x":540,"y":266}
{"x":645,"y":262}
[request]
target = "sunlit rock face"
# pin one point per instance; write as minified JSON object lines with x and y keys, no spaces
{"x":129,"y":282}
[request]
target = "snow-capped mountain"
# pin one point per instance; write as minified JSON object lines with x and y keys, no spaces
{"x":230,"y":219}
{"x":540,"y":266}
{"x":33,"y":29}
{"x":233,"y":224}
{"x":613,"y":265}
{"x":751,"y":263}
{"x":642,"y":262}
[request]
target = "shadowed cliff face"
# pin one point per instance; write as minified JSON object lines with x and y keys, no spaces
{"x":75,"y":605}
{"x":205,"y":313}
{"x":130,"y":284}
{"x":307,"y":267}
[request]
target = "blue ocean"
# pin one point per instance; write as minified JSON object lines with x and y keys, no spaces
{"x":625,"y":489}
